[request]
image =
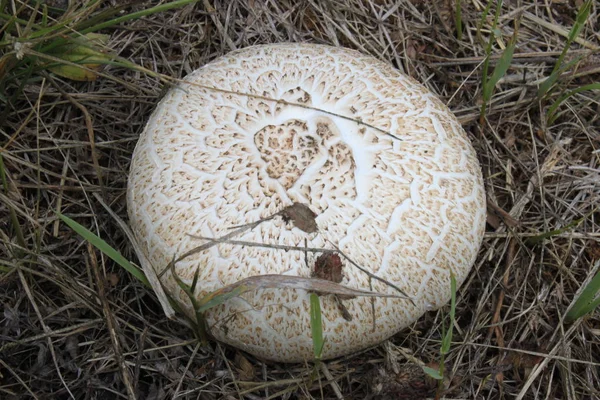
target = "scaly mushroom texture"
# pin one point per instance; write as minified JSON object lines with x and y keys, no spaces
{"x":383,"y":164}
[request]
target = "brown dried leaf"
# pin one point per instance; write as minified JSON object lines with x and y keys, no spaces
{"x":329,"y":266}
{"x":244,"y":367}
{"x":301,"y":216}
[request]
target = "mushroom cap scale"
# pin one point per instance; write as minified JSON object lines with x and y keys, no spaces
{"x":384,"y":165}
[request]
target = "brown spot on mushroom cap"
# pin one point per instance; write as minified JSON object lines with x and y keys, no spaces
{"x":409,"y":210}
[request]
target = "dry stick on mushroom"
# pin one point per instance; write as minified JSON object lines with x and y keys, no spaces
{"x":298,"y":213}
{"x":223,"y":239}
{"x":215,"y":241}
{"x":288,"y":103}
{"x":251,"y":283}
{"x":171,"y":81}
{"x":303,"y":218}
{"x":208,"y":245}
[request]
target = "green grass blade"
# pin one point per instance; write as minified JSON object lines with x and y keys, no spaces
{"x":210,"y":301}
{"x":447,"y":340}
{"x":45,"y":16}
{"x":316,"y":325}
{"x":500,"y":70}
{"x":9,"y":21}
{"x":458,"y":19}
{"x":582,"y":16}
{"x":546,"y":235}
{"x":199,"y":324}
{"x":547,"y":84}
{"x":139,"y":14}
{"x":105,"y":248}
{"x":101,"y":16}
{"x":98,"y":21}
{"x":488,"y":49}
{"x":551,"y":115}
{"x":195,"y":280}
{"x":482,"y":20}
{"x":582,"y":310}
{"x":434,"y":373}
{"x":31,"y":22}
{"x":587,"y":300}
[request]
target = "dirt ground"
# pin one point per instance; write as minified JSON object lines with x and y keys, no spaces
{"x":76,"y":325}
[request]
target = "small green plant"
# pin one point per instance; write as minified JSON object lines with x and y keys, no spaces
{"x":438,"y":374}
{"x":458,"y":19}
{"x":489,"y":83}
{"x":199,"y":322}
{"x":537,"y":239}
{"x":547,"y":86}
{"x":37,"y":39}
{"x":588,"y":300}
{"x":559,"y":68}
{"x":316,"y":325}
{"x":552,"y":113}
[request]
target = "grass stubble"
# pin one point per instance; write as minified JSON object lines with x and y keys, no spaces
{"x":76,"y":325}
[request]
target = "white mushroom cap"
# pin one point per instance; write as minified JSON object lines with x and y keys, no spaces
{"x":409,"y":206}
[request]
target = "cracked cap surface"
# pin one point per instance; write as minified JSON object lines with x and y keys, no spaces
{"x":408,"y":206}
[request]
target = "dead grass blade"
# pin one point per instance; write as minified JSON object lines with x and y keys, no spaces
{"x":271,"y":281}
{"x":111,"y":323}
{"x":13,"y":215}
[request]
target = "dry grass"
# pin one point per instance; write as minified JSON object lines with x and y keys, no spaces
{"x":75,"y":325}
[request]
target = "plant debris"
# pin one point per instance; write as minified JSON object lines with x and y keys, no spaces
{"x":301,"y":216}
{"x":329,"y":266}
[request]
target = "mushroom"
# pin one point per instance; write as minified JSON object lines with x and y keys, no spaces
{"x":390,"y":175}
